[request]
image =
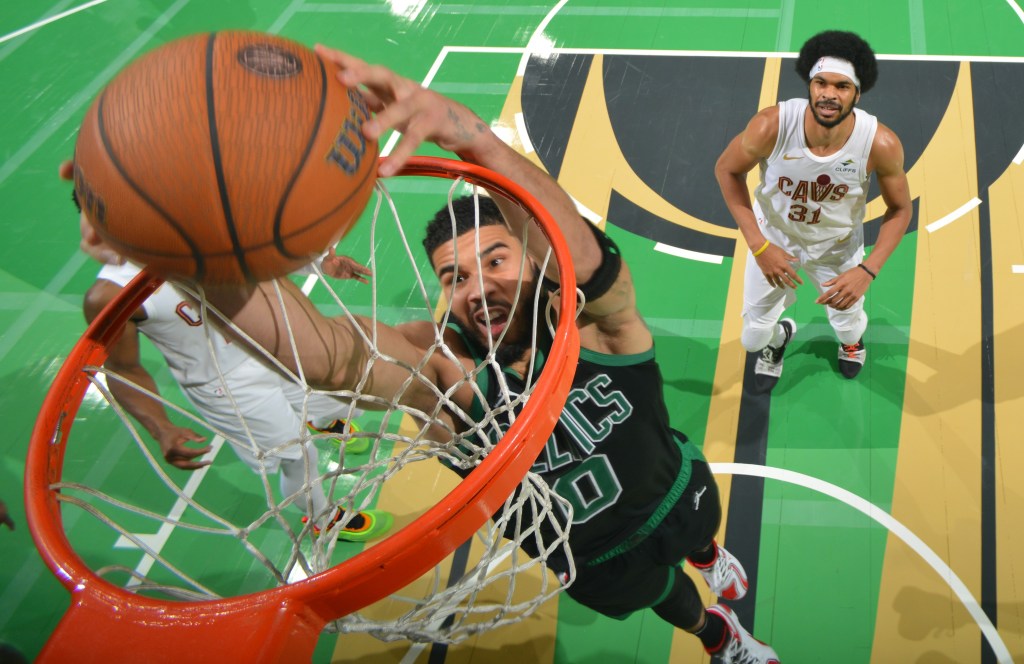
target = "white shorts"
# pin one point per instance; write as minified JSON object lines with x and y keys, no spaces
{"x":271,"y":407}
{"x":763,"y":304}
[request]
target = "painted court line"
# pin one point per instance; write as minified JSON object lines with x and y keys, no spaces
{"x":157,"y":541}
{"x":46,"y":21}
{"x":954,"y":215}
{"x":1018,"y":269}
{"x":686,"y":253}
{"x":524,"y":135}
{"x":87,"y":93}
{"x":495,"y":50}
{"x":1020,"y":156}
{"x":885,"y":519}
{"x":1016,"y":8}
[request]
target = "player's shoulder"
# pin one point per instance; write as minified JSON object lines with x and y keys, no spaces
{"x":98,"y":296}
{"x":762,"y":131}
{"x":886,"y":148}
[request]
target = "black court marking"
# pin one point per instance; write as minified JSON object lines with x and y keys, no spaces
{"x":673,"y":116}
{"x":460,"y":559}
{"x":278,"y":239}
{"x":998,"y":135}
{"x":179,"y":228}
{"x":638,"y":220}
{"x":746,"y":498}
{"x":552,"y":90}
{"x":222,"y":187}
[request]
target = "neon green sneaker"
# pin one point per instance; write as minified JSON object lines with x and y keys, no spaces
{"x":353,"y":445}
{"x":373,"y":524}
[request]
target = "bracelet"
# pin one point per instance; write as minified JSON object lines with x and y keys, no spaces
{"x":761,"y":250}
{"x":865,"y":268}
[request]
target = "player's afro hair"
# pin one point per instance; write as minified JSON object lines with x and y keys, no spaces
{"x":839,"y":44}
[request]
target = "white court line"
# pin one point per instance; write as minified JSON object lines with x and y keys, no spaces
{"x":686,"y":253}
{"x":45,"y":21}
{"x":885,"y":519}
{"x":1020,"y":156}
{"x":157,"y":541}
{"x":524,"y":135}
{"x":1017,"y":9}
{"x":498,"y":50}
{"x":538,"y":42}
{"x":1017,"y":269}
{"x":954,"y":215}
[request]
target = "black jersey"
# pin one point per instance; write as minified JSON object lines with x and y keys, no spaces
{"x":612,"y":455}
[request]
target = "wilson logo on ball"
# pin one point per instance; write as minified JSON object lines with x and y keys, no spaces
{"x":349,"y":145}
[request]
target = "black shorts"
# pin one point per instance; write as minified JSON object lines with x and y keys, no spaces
{"x":643,"y":576}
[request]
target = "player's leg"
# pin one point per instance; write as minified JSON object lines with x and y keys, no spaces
{"x":763,"y":332}
{"x":325,"y":414}
{"x":259,"y":422}
{"x":849,"y":325}
{"x":699,"y":512}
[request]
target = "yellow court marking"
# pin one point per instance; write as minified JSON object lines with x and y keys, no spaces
{"x":938,"y":477}
{"x":727,"y":390}
{"x":1006,"y":209}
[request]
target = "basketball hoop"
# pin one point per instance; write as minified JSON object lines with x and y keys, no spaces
{"x":106,"y":622}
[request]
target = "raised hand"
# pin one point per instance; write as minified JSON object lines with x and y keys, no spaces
{"x":344,"y":267}
{"x":419,"y":114}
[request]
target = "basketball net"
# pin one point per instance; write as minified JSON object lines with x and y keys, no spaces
{"x":483,"y":582}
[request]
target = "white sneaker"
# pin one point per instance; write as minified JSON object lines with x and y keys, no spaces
{"x":740,"y":646}
{"x":769,"y":365}
{"x":724,"y":575}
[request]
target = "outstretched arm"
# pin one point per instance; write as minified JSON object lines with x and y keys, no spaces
{"x":124,"y":359}
{"x":422,"y":115}
{"x":331,"y":352}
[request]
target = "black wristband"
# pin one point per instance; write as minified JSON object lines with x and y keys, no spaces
{"x":607,"y":272}
{"x":864,"y":267}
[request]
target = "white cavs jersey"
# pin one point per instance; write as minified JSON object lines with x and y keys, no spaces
{"x":814,"y":200}
{"x":178,"y":332}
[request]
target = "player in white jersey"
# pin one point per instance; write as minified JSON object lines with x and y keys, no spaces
{"x":816,"y":158}
{"x":274,"y":409}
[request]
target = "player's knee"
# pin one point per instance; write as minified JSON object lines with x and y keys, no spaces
{"x":754,"y":339}
{"x":682,"y":607}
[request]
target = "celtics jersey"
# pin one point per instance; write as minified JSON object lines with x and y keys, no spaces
{"x":814,"y":200}
{"x":612,"y":455}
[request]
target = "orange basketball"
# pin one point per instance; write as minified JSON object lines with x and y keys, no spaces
{"x":225,"y":157}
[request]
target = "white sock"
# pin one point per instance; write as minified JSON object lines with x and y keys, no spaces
{"x":294,"y":477}
{"x":778,"y":337}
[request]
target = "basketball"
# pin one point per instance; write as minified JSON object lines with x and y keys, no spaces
{"x":225,"y":157}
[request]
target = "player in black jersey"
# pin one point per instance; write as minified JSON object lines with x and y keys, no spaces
{"x":643,"y":496}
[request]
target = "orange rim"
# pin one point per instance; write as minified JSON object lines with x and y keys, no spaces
{"x":109,"y":621}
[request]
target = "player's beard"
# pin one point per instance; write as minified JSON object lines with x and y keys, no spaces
{"x":513,"y":347}
{"x":828,"y":124}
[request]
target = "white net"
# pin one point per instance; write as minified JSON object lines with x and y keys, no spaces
{"x":229,"y":529}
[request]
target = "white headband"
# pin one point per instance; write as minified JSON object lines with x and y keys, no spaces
{"x":835,"y":66}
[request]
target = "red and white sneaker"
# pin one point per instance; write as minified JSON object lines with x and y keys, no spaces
{"x":851,"y":358}
{"x":740,"y":646}
{"x":724,"y":575}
